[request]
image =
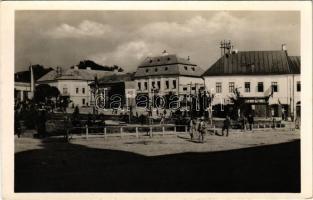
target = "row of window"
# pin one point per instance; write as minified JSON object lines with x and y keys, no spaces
{"x":77,"y":90}
{"x":192,"y":88}
{"x":247,"y":87}
{"x":65,"y":90}
{"x":166,"y":68}
{"x":156,"y":85}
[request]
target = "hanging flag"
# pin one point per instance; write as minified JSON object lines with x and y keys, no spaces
{"x":269,"y":92}
{"x":32,"y":82}
{"x":96,"y":82}
{"x":272,"y":91}
{"x":279,"y":102}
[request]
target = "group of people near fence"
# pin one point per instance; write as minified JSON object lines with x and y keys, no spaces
{"x":198,"y":127}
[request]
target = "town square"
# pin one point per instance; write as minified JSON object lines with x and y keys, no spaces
{"x":157,"y":101}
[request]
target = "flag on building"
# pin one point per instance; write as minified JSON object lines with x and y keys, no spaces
{"x":96,"y":82}
{"x":32,"y":82}
{"x":269,"y":92}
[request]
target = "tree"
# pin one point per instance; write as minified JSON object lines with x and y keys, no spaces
{"x":44,"y":92}
{"x":238,"y":102}
{"x":64,"y":102}
{"x":95,"y":66}
{"x":54,"y":92}
{"x":41,"y":93}
{"x":24,"y":76}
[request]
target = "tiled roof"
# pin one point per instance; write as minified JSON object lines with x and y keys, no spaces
{"x":115,"y":78}
{"x":167,"y":65}
{"x":75,"y":74}
{"x":164,"y":60}
{"x":295,"y":64}
{"x":254,"y":63}
{"x":50,"y":76}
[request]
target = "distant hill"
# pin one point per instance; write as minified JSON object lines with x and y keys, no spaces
{"x":94,"y":66}
{"x":24,"y":76}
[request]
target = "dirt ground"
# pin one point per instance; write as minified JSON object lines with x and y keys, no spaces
{"x":243,"y":162}
{"x":171,"y":144}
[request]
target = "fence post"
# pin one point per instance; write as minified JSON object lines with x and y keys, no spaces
{"x":186,"y":129}
{"x":137,"y":134}
{"x":150,"y":131}
{"x":105,"y":132}
{"x":258,"y":125}
{"x":163,"y":130}
{"x":175,"y":129}
{"x":121,"y":130}
{"x":87,"y":131}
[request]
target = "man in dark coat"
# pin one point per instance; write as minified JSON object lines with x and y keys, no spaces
{"x":250,"y":121}
{"x":226,"y":125}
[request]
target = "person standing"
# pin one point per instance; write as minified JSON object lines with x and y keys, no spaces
{"x":202,"y":130}
{"x":17,"y":126}
{"x":243,"y":123}
{"x":226,"y":125}
{"x":164,"y":112}
{"x":250,"y":121}
{"x":41,"y":124}
{"x":192,"y":128}
{"x":162,"y":119}
{"x":67,"y":127}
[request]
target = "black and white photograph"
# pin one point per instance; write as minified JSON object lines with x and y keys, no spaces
{"x":158,"y":101}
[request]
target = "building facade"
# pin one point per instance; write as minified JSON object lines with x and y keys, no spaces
{"x":167,"y":75}
{"x":268,"y":81}
{"x":22,"y":91}
{"x":114,"y":91}
{"x":73,"y":83}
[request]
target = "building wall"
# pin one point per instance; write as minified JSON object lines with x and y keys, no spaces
{"x":190,"y":85}
{"x":181,"y":83}
{"x":68,"y":88}
{"x":74,"y":89}
{"x":287,"y":88}
{"x":163,"y":90}
{"x":22,"y":90}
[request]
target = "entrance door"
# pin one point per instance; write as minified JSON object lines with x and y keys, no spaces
{"x":298,"y":109}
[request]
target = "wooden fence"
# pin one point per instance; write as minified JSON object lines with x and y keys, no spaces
{"x":160,"y":129}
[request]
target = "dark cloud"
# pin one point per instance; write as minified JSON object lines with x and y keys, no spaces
{"x":63,"y":38}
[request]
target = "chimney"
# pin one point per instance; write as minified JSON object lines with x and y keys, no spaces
{"x":188,"y":58}
{"x":59,"y":71}
{"x":164,"y":53}
{"x":284,"y":47}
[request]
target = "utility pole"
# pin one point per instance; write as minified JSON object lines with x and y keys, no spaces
{"x":225,"y":45}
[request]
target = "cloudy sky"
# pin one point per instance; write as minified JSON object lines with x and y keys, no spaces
{"x":125,"y":38}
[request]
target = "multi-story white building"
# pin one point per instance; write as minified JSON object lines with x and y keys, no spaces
{"x":167,"y":74}
{"x":74,"y":83}
{"x":257,"y":75}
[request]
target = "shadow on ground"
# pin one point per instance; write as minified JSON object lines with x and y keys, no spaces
{"x":63,"y":167}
